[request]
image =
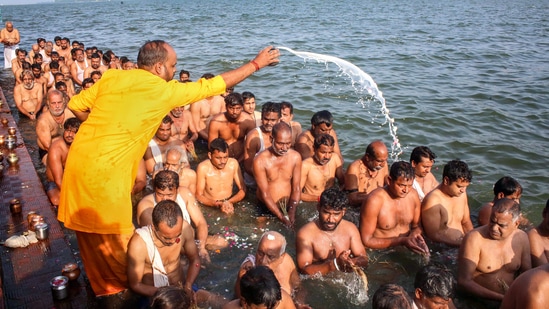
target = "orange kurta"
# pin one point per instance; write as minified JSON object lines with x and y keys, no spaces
{"x":126,"y":108}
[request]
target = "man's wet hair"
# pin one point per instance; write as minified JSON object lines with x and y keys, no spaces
{"x":207,"y":76}
{"x":280,"y":127}
{"x":40,"y":40}
{"x":259,"y":286}
{"x":166,"y":211}
{"x":323,"y":139}
{"x":57,"y":38}
{"x":66,"y":39}
{"x":435,"y":280}
{"x":391,"y":296}
{"x":247,"y":95}
{"x":185,"y":72}
{"x":72,"y":123}
{"x":457,"y":169}
{"x":38,"y":55}
{"x":333,"y":198}
{"x":508,"y":186}
{"x":270,"y":107}
{"x":60,"y":84}
{"x":233,"y":99}
{"x":422,"y":152}
{"x":95,"y":56}
{"x":87,"y":80}
{"x":170,"y":297}
{"x":54,"y":65}
{"x":36,"y":66}
{"x":218,"y":144}
{"x":167,"y":120}
{"x":322,"y":117}
{"x":285,"y":104}
{"x":150,"y":53}
{"x":508,"y":205}
{"x":166,"y":179}
{"x":401,"y":169}
{"x":20,"y":50}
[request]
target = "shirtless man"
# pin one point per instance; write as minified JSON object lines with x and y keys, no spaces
{"x":161,"y":141}
{"x":330,"y":242}
{"x":65,"y":50}
{"x":249,"y":107}
{"x":9,"y":36}
{"x":539,"y":240}
{"x":271,"y":252}
{"x":389,"y":216}
{"x":184,"y":76}
{"x":203,"y":110}
{"x":422,"y":159}
{"x":175,"y":161}
{"x":28,"y":96}
{"x":35,"y":50}
{"x":445,"y":210}
{"x":320,"y":171}
{"x":168,"y":237}
{"x":529,"y":291}
{"x":287,"y":111}
{"x":434,"y":287}
{"x":50,"y":124}
{"x":505,"y":187}
{"x":57,"y":156}
{"x":17,"y":62}
{"x":166,"y":187}
{"x":261,"y":289}
{"x":95,"y":65}
{"x":183,"y":127}
{"x":321,"y":123}
{"x":259,"y":139}
{"x":232,"y":126}
{"x":367,"y":173}
{"x":277,"y":171}
{"x":67,"y":79}
{"x":491,"y":256}
{"x":216,"y":177}
{"x":78,"y":66}
{"x":39,"y":77}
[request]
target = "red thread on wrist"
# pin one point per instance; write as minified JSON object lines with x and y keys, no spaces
{"x":256,"y":65}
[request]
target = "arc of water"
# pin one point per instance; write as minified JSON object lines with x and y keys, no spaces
{"x":366,"y":83}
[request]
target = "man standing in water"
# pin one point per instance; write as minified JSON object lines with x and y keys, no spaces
{"x":491,"y":256}
{"x":28,"y":96}
{"x":121,"y":116}
{"x":277,"y":171}
{"x":445,"y":211}
{"x":390,"y":215}
{"x":330,"y":242}
{"x":367,"y":173}
{"x":9,"y":36}
{"x":539,"y":240}
{"x":321,"y":123}
{"x":422,"y":159}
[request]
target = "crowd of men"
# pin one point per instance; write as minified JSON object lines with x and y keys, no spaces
{"x":136,"y":144}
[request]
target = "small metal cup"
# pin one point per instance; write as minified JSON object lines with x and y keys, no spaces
{"x":42,"y":231}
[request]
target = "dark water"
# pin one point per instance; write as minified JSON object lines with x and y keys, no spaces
{"x":467,"y":78}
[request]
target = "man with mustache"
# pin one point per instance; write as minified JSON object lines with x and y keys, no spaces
{"x":320,"y":171}
{"x":57,"y":156}
{"x":28,"y":96}
{"x":367,"y":173}
{"x":321,"y":123}
{"x":259,"y":138}
{"x":330,"y":243}
{"x":154,"y":252}
{"x":277,"y":171}
{"x":95,"y":65}
{"x":232,"y":126}
{"x":50,"y":124}
{"x":422,"y":159}
{"x":389,"y":216}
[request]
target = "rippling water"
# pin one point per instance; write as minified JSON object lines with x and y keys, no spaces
{"x":467,"y":78}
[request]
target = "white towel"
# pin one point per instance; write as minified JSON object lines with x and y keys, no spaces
{"x":159,"y":273}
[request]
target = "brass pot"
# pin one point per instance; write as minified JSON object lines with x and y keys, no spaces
{"x":4,"y":121}
{"x":15,"y":206}
{"x":11,"y":142}
{"x":2,"y":140}
{"x":12,"y":130}
{"x":71,"y":271}
{"x":13,"y":159}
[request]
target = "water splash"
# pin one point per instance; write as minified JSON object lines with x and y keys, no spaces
{"x":362,"y":83}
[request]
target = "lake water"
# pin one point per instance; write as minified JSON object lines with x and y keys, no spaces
{"x":467,"y":78}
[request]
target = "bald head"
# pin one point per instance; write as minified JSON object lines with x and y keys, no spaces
{"x":507,"y":205}
{"x":376,"y":155}
{"x":273,"y":240}
{"x":376,"y":148}
{"x":281,"y":127}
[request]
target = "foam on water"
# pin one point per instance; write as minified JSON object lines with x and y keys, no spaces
{"x":363,"y":84}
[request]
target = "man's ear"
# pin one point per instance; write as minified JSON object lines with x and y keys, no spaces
{"x":418,"y":293}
